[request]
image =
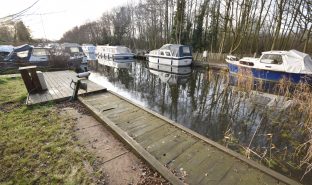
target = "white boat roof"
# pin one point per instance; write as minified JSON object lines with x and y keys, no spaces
{"x":6,"y":48}
{"x":292,"y":52}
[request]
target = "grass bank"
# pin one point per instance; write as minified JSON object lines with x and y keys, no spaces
{"x":37,"y":144}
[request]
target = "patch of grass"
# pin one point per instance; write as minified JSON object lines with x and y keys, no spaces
{"x":12,"y":90}
{"x":9,"y":70}
{"x":37,"y":144}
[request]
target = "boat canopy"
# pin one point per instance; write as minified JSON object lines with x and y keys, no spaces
{"x":178,"y":50}
{"x":293,"y":61}
{"x":20,"y":52}
{"x":24,"y":47}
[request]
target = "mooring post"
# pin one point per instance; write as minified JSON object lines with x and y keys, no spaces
{"x":77,"y":85}
{"x":96,"y":64}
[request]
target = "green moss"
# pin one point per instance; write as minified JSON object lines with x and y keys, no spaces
{"x":36,"y":145}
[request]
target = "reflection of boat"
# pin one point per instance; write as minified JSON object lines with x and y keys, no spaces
{"x":274,"y":65}
{"x":171,"y":54}
{"x":261,"y":96}
{"x":170,"y":74}
{"x":114,"y":53}
{"x":265,"y":86}
{"x":114,"y":64}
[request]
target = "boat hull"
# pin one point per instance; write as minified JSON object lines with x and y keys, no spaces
{"x":269,"y":75}
{"x":170,"y":61}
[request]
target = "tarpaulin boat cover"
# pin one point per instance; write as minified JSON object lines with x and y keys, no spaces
{"x":24,"y":47}
{"x":177,"y":50}
{"x":295,"y":61}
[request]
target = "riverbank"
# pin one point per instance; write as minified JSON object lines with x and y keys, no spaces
{"x":211,"y":65}
{"x":51,"y":143}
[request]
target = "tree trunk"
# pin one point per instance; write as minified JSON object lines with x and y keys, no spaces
{"x":280,"y":8}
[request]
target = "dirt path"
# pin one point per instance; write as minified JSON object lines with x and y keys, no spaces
{"x":118,"y":163}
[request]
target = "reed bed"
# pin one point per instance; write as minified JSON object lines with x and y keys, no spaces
{"x":293,"y":124}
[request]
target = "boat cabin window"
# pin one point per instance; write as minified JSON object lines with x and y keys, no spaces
{"x":40,"y":52}
{"x":22,"y":54}
{"x":246,"y":63}
{"x":168,"y":53}
{"x":272,"y":59}
{"x":162,"y":53}
{"x":74,"y":49}
{"x":186,"y":50}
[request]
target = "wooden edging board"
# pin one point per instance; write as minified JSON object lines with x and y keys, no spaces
{"x":250,"y":162}
{"x":138,"y":149}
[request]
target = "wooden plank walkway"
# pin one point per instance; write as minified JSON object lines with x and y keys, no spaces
{"x":175,"y":151}
{"x":58,"y":83}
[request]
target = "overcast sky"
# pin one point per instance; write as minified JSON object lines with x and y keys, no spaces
{"x":58,"y":15}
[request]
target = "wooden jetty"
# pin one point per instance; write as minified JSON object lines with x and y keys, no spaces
{"x":59,"y":89}
{"x":178,"y":153}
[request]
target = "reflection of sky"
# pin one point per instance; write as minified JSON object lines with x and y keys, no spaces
{"x":102,"y":80}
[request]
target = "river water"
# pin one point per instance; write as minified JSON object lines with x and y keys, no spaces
{"x":204,"y":101}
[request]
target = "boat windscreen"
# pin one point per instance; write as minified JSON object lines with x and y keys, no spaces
{"x":175,"y":51}
{"x":272,"y":59}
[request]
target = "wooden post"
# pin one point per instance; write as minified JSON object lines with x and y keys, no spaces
{"x":76,"y":89}
{"x":27,"y":80}
{"x":96,"y":65}
{"x":31,"y":81}
{"x":35,"y":79}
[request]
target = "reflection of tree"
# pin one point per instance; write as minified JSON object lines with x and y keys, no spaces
{"x":125,"y":78}
{"x":192,"y":88}
{"x":174,"y":92}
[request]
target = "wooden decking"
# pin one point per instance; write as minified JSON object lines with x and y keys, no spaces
{"x":59,"y":89}
{"x":175,"y":151}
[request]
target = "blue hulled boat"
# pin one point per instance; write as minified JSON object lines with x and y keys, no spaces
{"x":274,"y":66}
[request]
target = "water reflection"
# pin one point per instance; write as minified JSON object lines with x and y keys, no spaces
{"x":198,"y":99}
{"x":207,"y":103}
{"x":116,"y":64}
{"x":170,"y":74}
